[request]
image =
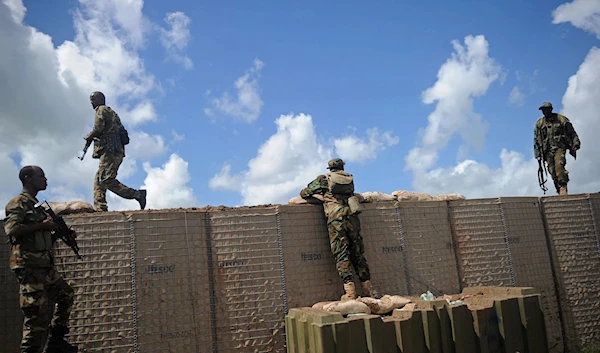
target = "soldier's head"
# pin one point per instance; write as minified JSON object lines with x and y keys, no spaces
{"x":335,"y":164}
{"x":546,"y":109}
{"x":33,"y":178}
{"x":97,"y":99}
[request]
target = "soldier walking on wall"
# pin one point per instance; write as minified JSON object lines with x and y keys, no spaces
{"x":553,"y":135}
{"x":341,"y":209}
{"x":110,"y":138}
{"x":31,"y":259}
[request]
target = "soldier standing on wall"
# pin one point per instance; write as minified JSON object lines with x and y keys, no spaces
{"x":553,"y":134}
{"x":32,"y":261}
{"x":341,"y":209}
{"x":110,"y":138}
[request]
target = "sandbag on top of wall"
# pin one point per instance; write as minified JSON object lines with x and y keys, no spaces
{"x":482,"y":250}
{"x":310,"y":273}
{"x":431,"y":261}
{"x":531,"y":259}
{"x":172,"y":281}
{"x":102,"y":318}
{"x":11,"y":324}
{"x":382,"y":240}
{"x":246,"y":258}
{"x":572,"y":230}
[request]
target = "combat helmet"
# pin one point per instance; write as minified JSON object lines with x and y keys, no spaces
{"x":335,"y":163}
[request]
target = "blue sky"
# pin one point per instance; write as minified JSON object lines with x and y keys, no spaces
{"x":351,"y":67}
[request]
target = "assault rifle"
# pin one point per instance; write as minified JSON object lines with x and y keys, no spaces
{"x":541,"y":169}
{"x":64,"y":232}
{"x":87,"y":145}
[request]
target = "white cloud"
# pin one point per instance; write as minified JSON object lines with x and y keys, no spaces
{"x":516,"y":97}
{"x":467,"y":74}
{"x":353,"y":149}
{"x":583,"y":14}
{"x":289,"y":159}
{"x":176,"y":39}
{"x":166,"y":186}
{"x":224,"y":180}
{"x":176,"y":136}
{"x":103,"y":56}
{"x":248,"y":104}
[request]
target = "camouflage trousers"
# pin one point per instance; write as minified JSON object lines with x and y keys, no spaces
{"x":556,"y":167}
{"x":106,"y":179}
{"x":348,"y":249}
{"x":38,"y":287}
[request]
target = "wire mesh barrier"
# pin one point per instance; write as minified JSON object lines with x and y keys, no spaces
{"x":310,"y":273}
{"x":222,"y":280}
{"x":481,"y":243}
{"x":532,"y":264}
{"x":103,"y":315}
{"x":431,"y":260}
{"x":172,"y":291}
{"x":384,"y":249}
{"x":573,"y":233}
{"x":248,"y":280}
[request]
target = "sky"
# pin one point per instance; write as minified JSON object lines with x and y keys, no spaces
{"x":243,"y":103}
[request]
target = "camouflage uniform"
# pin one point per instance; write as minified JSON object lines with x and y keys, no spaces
{"x":552,"y":138}
{"x":109,"y":149}
{"x":344,"y":230}
{"x":32,"y":261}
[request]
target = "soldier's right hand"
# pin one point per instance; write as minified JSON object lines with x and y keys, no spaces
{"x":48,"y":225}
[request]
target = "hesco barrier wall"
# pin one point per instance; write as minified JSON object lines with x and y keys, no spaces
{"x":222,"y":279}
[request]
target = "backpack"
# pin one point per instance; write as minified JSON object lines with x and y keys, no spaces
{"x":124,"y":136}
{"x":339,"y":183}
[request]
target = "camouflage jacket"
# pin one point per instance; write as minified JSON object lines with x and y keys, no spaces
{"x":550,"y":135}
{"x":107,"y":126}
{"x":28,"y":250}
{"x":335,"y":206}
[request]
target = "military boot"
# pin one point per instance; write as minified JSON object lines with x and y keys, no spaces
{"x":350,"y":291}
{"x":142,"y":198}
{"x":563,"y":190}
{"x":368,"y":290}
{"x":57,"y":342}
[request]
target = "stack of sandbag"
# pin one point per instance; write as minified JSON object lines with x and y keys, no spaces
{"x":71,"y":207}
{"x":405,"y":195}
{"x":376,"y":196}
{"x":364,"y":305}
{"x":315,"y":199}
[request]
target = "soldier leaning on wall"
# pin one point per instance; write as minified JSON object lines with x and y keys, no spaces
{"x":110,"y":138}
{"x":31,"y":260}
{"x":553,"y":134}
{"x":341,"y":209}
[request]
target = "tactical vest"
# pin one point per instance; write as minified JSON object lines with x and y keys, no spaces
{"x":340,"y":183}
{"x":553,"y":132}
{"x":33,"y":249}
{"x":114,"y":137}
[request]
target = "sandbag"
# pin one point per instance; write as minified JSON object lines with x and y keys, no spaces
{"x":376,"y":196}
{"x":386,"y":304}
{"x":347,"y":307}
{"x":320,"y":305}
{"x":315,"y":199}
{"x":79,"y":207}
{"x":448,"y":197}
{"x":71,"y":207}
{"x":405,"y":195}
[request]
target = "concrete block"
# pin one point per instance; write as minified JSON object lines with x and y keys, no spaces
{"x":487,"y":331}
{"x":408,"y":326}
{"x":463,"y":332}
{"x":509,"y":318}
{"x":532,"y":319}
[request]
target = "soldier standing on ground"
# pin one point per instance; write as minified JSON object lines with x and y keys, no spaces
{"x":109,"y":147}
{"x":31,"y":259}
{"x":343,"y":225}
{"x":553,"y":135}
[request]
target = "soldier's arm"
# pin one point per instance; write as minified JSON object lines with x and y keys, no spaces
{"x":15,"y":217}
{"x":536,"y":144}
{"x":99,"y":123}
{"x":570,"y":131}
{"x":317,"y":186}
